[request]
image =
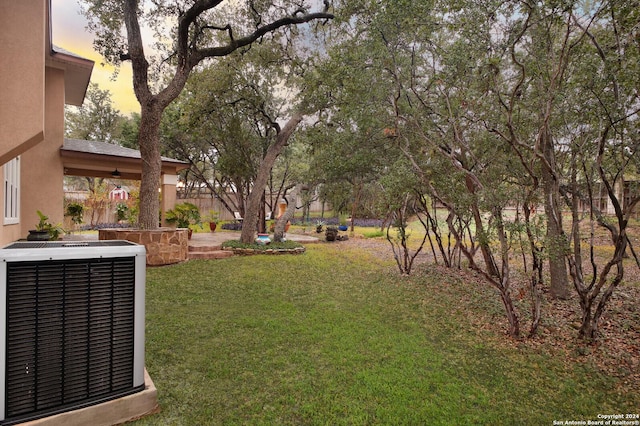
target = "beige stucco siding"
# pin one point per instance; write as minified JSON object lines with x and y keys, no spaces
{"x":23,"y":40}
{"x":36,"y":80}
{"x":42,"y":173}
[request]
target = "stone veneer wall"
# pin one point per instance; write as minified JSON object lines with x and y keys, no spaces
{"x":164,"y":246}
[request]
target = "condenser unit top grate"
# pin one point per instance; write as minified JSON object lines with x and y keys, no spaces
{"x":63,"y":244}
{"x":21,"y":251}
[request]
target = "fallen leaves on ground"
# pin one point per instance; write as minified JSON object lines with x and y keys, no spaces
{"x":616,"y":352}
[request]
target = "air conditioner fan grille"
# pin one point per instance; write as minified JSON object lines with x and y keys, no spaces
{"x":70,"y":331}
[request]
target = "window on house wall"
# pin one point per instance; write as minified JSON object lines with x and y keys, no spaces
{"x":12,"y":191}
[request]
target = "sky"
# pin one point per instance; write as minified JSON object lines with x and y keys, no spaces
{"x":69,"y":32}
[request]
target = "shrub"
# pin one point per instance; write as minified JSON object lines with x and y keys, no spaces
{"x":183,"y":215}
{"x":75,"y":211}
{"x":122,"y":210}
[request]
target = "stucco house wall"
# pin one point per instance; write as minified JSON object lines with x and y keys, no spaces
{"x":22,"y":86}
{"x":23,"y":36}
{"x":41,"y":168}
{"x":36,"y":81}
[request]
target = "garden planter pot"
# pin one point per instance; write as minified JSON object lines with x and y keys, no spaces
{"x":35,"y":235}
{"x":263,"y":239}
{"x":212,"y":226}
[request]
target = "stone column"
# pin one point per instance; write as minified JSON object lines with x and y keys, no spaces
{"x":168,"y":199}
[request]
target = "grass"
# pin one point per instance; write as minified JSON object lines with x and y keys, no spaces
{"x":374,"y":234}
{"x":336,"y":337}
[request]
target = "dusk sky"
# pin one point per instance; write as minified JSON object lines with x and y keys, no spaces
{"x":69,"y":33}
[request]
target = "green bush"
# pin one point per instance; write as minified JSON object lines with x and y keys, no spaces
{"x":121,"y":211}
{"x":183,"y":215}
{"x":75,"y":211}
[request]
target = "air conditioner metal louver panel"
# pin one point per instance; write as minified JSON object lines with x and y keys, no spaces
{"x":70,"y":332}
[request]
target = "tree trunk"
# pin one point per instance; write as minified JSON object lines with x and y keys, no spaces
{"x":356,"y":202}
{"x":151,"y":108}
{"x":556,"y":241}
{"x":492,"y":268}
{"x":512,"y":314}
{"x":535,"y":279}
{"x":188,"y":54}
{"x":278,"y":234}
{"x":262,"y":228}
{"x":148,"y":138}
{"x":250,"y":222}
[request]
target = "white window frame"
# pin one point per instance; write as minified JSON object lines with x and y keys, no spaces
{"x":12,"y":192}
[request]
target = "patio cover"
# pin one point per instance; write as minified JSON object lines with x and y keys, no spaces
{"x":101,"y":159}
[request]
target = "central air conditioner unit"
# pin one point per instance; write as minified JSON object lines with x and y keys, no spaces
{"x":71,"y":326}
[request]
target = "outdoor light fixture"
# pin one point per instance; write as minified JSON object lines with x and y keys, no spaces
{"x":115,"y":173}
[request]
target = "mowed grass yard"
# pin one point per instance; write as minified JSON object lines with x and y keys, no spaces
{"x":336,"y":337}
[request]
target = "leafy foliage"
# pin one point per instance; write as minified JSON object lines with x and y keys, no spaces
{"x":54,"y":230}
{"x":198,"y":31}
{"x":493,"y":110}
{"x":96,"y":119}
{"x":490,"y":115}
{"x":183,"y":215}
{"x":75,"y":211}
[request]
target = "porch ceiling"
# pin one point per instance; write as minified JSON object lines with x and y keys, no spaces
{"x":100,"y":159}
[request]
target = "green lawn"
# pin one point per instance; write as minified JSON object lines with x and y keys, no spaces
{"x":336,"y":337}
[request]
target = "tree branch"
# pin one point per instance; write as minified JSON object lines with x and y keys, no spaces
{"x":233,"y":45}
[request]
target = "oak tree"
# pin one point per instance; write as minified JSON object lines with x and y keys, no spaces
{"x":185,"y":34}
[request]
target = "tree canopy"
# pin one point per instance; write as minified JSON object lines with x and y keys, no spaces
{"x":517,"y":119}
{"x":498,"y":107}
{"x":185,"y":34}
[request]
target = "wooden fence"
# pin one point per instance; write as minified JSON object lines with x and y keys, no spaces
{"x":106,"y":213}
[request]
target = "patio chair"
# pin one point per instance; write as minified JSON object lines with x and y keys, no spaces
{"x":237,"y":216}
